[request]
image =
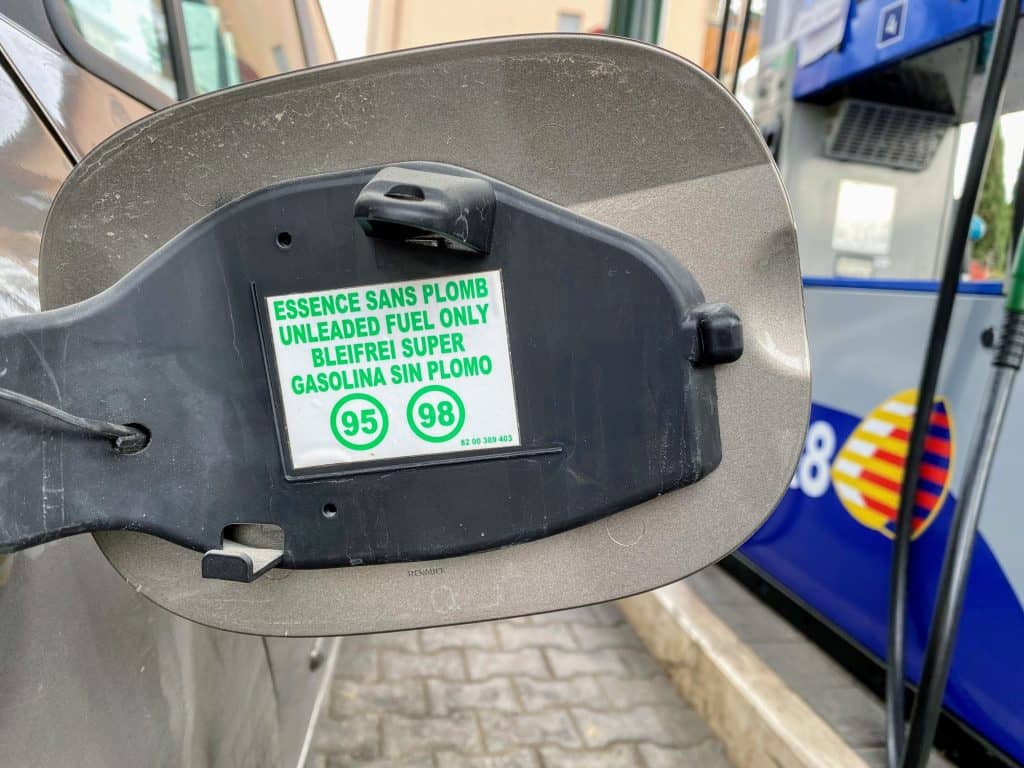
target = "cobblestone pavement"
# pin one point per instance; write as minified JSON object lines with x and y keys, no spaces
{"x":564,"y":690}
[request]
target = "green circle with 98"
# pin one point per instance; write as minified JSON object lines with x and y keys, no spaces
{"x":435,"y":413}
{"x":359,"y":421}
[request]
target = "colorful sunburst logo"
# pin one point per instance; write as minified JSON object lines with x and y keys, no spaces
{"x":868,"y":470}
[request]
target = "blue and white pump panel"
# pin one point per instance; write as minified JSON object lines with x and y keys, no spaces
{"x":877,"y":32}
{"x":829,"y":542}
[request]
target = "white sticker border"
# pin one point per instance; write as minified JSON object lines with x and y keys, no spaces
{"x":458,"y":455}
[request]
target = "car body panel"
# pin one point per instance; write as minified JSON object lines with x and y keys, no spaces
{"x":96,"y":676}
{"x":83,"y":108}
{"x":32,"y":167}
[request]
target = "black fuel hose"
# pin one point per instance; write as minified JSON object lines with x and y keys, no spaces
{"x":722,"y":32}
{"x":956,"y":563}
{"x":1002,"y":49}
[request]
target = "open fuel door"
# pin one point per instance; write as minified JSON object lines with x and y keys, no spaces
{"x":441,"y":336}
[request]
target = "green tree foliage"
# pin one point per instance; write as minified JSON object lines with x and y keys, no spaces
{"x":996,"y":211}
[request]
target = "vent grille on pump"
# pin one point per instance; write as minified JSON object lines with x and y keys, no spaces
{"x":880,"y":134}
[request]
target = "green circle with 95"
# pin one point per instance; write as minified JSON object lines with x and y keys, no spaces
{"x":435,"y":413}
{"x":359,"y":422}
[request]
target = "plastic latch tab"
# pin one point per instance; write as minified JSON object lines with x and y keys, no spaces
{"x":428,"y":208}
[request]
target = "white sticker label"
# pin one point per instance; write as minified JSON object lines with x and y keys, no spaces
{"x":864,"y":218}
{"x":395,"y":370}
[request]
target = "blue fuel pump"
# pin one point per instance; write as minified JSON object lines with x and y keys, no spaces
{"x":882,"y":532}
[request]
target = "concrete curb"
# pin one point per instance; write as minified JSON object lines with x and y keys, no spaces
{"x":758,"y":718}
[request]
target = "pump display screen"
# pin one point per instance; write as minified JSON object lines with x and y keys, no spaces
{"x":394,"y":370}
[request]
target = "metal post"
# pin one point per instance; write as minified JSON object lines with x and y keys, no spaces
{"x":723,"y":28}
{"x":744,"y":31}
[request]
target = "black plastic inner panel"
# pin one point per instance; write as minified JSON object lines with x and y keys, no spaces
{"x":611,"y":412}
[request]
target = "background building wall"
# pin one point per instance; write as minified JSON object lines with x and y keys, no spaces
{"x":397,"y":24}
{"x":688,"y":27}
